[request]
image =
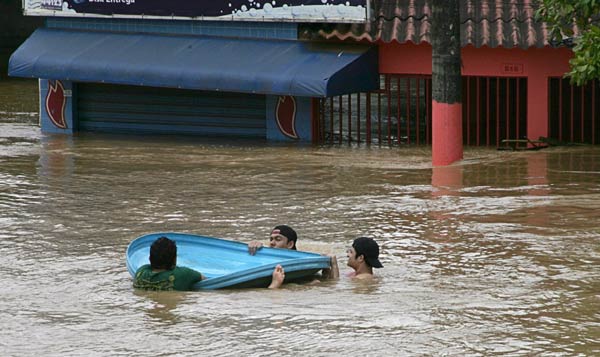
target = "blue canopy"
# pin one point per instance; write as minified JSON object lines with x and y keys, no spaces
{"x":280,"y":67}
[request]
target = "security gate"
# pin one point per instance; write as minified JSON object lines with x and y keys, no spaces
{"x":116,"y":108}
{"x":573,"y":115}
{"x":494,"y":108}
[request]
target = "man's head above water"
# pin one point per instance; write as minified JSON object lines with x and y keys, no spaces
{"x":363,"y":256}
{"x":283,"y":236}
{"x":163,"y":254}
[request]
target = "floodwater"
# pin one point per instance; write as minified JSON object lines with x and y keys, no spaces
{"x":497,"y":255}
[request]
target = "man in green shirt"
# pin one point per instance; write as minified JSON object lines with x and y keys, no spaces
{"x":163,"y":273}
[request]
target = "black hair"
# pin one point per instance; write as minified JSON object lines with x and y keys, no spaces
{"x":289,"y":233}
{"x":369,"y":249}
{"x":359,"y":253}
{"x":163,"y":254}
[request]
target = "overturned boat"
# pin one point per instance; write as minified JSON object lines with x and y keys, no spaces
{"x":227,"y":263}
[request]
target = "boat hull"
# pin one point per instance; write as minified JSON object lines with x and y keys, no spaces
{"x":226,"y":263}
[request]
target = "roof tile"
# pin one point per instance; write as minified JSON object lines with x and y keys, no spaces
{"x":491,"y":23}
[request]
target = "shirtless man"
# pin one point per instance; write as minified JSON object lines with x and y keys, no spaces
{"x":282,"y":236}
{"x":363,"y":256}
{"x":285,"y":237}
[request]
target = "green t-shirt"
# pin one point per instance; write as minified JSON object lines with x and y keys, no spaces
{"x":179,"y":278}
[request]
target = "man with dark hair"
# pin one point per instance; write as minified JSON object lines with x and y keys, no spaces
{"x":363,"y":257}
{"x":282,"y":236}
{"x":163,"y":273}
{"x":285,"y":237}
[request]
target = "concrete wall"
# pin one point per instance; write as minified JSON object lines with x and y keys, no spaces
{"x":14,"y":29}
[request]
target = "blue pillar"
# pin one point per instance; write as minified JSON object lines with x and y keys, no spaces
{"x":57,"y":106}
{"x":289,"y":119}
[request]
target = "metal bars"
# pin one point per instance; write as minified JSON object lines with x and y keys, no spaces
{"x":400,"y":112}
{"x":397,"y":114}
{"x":572,"y":113}
{"x":494,"y":109}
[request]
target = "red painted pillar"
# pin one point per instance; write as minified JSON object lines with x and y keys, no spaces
{"x":446,"y":83}
{"x":537,"y":108}
{"x":447,"y":133}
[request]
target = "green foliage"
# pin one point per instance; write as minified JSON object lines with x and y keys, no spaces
{"x":562,"y":16}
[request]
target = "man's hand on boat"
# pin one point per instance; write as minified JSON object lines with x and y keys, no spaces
{"x":334,"y":271}
{"x":254,"y":246}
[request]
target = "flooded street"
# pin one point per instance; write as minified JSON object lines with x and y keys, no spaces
{"x":498,"y":255}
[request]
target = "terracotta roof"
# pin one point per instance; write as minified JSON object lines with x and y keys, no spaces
{"x":491,"y":23}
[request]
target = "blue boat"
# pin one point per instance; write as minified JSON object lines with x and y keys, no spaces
{"x":226,"y":263}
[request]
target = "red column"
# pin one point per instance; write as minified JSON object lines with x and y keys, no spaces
{"x":537,"y":108}
{"x":447,"y":146}
{"x":446,"y":83}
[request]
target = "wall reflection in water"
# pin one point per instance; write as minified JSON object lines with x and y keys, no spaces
{"x":57,"y":159}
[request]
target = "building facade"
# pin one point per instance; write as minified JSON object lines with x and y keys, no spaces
{"x":326,"y":79}
{"x":513,"y":85}
{"x":197,"y":69}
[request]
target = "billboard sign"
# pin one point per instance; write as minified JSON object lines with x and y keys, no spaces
{"x":244,"y":10}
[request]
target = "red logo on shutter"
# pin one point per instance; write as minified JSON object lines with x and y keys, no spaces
{"x":55,"y":104}
{"x":286,"y":116}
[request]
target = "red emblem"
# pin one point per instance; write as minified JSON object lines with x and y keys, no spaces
{"x":55,"y":104}
{"x":286,"y":116}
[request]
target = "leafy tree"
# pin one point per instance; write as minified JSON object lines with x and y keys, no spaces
{"x":563,"y":16}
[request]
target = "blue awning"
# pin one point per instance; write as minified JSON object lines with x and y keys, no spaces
{"x":279,"y":67}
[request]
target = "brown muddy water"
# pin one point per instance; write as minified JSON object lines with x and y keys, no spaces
{"x":497,"y":255}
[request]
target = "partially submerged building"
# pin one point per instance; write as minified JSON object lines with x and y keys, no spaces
{"x":314,"y":71}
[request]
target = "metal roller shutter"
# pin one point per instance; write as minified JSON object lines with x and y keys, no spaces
{"x":118,"y":108}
